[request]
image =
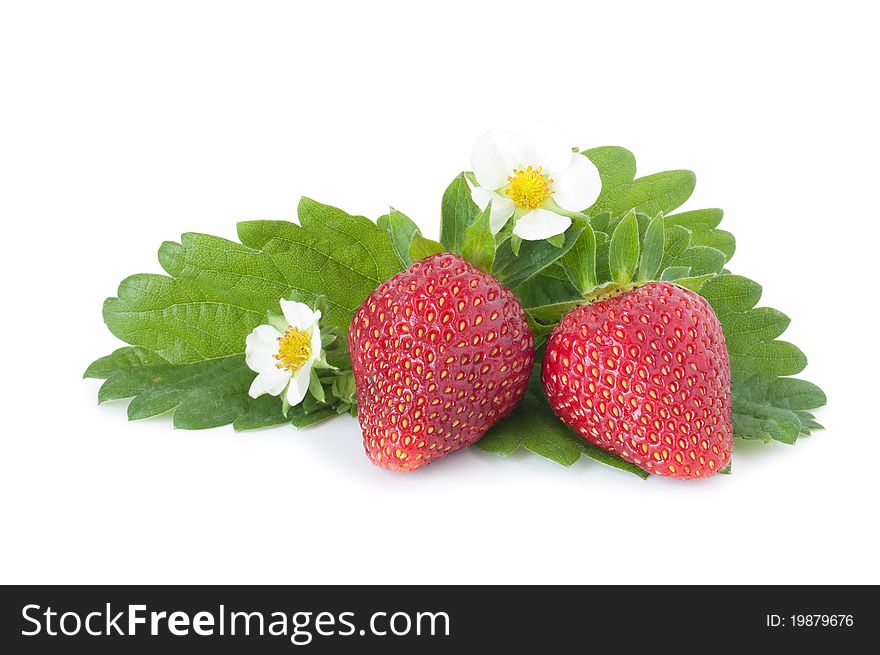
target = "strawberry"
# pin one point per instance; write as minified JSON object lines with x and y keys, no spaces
{"x":440,"y":353}
{"x":645,"y":375}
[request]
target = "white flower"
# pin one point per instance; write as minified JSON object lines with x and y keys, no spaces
{"x":284,"y":361}
{"x":534,"y":176}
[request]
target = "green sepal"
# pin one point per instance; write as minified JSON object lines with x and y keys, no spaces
{"x":277,"y":321}
{"x":579,"y":263}
{"x":515,"y":244}
{"x":478,"y":246}
{"x":420,"y":247}
{"x":557,"y":240}
{"x":344,"y":387}
{"x":623,"y":253}
{"x":315,"y":387}
{"x":457,"y":212}
{"x":401,"y":229}
{"x":652,"y":252}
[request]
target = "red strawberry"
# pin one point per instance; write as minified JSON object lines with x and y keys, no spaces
{"x":440,"y":353}
{"x":645,"y":375}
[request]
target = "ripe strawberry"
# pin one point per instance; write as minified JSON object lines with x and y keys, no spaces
{"x":440,"y":353}
{"x":645,"y":375}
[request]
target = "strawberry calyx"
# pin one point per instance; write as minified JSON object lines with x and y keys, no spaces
{"x":609,"y":290}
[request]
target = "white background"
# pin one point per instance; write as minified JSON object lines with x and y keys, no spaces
{"x":125,"y":124}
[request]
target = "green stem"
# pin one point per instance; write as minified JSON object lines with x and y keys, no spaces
{"x":551,"y":205}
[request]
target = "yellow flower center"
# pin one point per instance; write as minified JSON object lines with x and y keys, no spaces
{"x":294,"y":350}
{"x":528,"y":187}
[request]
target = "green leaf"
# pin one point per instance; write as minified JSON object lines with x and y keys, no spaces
{"x":702,"y":235}
{"x":199,"y":395}
{"x":675,"y":273}
{"x":763,"y":421}
{"x":603,"y":456}
{"x":750,"y":327}
{"x":546,"y":298}
{"x":774,"y":408}
{"x":401,"y":229}
{"x":457,"y":212}
{"x":792,"y":393}
{"x":808,"y":422}
{"x":773,"y":358}
{"x":556,"y":270}
{"x":601,"y":222}
{"x":420,"y":247}
{"x":764,"y":403}
{"x":478,"y":247}
{"x":548,"y":437}
{"x":121,"y":359}
{"x":652,"y":253}
{"x":623,"y":254}
{"x":220,"y":290}
{"x":661,"y":192}
{"x":707,"y":217}
{"x":503,"y":439}
{"x":617,"y":168}
{"x":262,"y":412}
{"x":534,"y":256}
{"x":579,"y":263}
{"x":179,"y":320}
{"x":351,"y":250}
{"x":188,"y":329}
{"x":701,"y":260}
{"x":676,"y":242}
{"x":300,"y":418}
{"x":729,"y":294}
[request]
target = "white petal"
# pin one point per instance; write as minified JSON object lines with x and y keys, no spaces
{"x":492,"y":159}
{"x":502,"y":206}
{"x":299,"y":315}
{"x":316,"y":343}
{"x":299,"y":385}
{"x":271,"y":381}
{"x":481,"y":196}
{"x":540,"y":224}
{"x":578,"y":186}
{"x":544,"y":145}
{"x":500,"y":213}
{"x":260,"y":347}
